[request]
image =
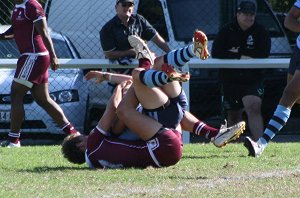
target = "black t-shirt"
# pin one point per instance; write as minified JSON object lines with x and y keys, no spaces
{"x":114,"y":35}
{"x":254,"y":42}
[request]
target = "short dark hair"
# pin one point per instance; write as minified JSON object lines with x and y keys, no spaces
{"x":71,"y":151}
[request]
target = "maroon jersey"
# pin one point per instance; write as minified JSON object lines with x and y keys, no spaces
{"x":27,"y":38}
{"x":165,"y":149}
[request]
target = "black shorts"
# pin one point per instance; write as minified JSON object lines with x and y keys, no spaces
{"x":295,"y":61}
{"x":234,"y":93}
{"x":169,"y":116}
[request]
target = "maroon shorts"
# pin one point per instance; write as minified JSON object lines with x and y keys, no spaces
{"x":165,"y":149}
{"x":33,"y":68}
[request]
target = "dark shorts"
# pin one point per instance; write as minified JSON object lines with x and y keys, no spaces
{"x":233,"y":94}
{"x":33,"y":68}
{"x":294,"y":61}
{"x":181,"y":99}
{"x":165,"y":149}
{"x":169,"y":116}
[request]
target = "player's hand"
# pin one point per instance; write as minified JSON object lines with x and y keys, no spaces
{"x":98,"y":75}
{"x":54,"y":63}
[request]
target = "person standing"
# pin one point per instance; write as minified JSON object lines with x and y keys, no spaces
{"x":30,"y":31}
{"x":290,"y":95}
{"x":243,"y":88}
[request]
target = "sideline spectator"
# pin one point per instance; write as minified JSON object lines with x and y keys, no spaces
{"x":114,"y":34}
{"x":243,"y":89}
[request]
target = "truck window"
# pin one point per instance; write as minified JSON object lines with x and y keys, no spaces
{"x":211,"y":15}
{"x":153,"y":12}
{"x":207,"y":15}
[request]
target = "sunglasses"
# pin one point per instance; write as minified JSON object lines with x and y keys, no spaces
{"x":127,"y":4}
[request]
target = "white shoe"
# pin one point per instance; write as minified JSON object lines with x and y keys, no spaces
{"x":226,"y":135}
{"x":9,"y":144}
{"x":141,"y":48}
{"x":255,"y":148}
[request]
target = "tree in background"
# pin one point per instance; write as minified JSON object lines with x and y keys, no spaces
{"x":281,"y":5}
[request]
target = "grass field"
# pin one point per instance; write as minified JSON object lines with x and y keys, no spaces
{"x":204,"y":171}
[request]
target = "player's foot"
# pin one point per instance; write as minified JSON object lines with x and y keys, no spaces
{"x":255,"y":149}
{"x":226,"y":135}
{"x":174,"y":74}
{"x":9,"y":144}
{"x":141,"y":48}
{"x":200,"y":45}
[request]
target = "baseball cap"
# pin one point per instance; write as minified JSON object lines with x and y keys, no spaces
{"x":247,"y":7}
{"x":125,"y":1}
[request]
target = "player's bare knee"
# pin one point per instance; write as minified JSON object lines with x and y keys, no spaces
{"x":136,"y":74}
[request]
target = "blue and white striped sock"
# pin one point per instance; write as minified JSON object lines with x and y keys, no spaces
{"x":153,"y":78}
{"x":279,"y":119}
{"x":180,"y":57}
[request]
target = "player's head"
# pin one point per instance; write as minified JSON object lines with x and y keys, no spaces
{"x":73,"y":148}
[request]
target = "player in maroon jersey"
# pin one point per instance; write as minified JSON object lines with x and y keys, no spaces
{"x":30,"y":31}
{"x":159,"y":146}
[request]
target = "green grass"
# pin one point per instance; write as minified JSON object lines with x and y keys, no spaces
{"x":204,"y":171}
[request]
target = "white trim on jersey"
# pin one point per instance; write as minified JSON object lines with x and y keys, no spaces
{"x":27,"y":67}
{"x":152,"y":145}
{"x":39,"y":18}
{"x":102,"y":131}
{"x":87,"y":161}
{"x":24,"y":82}
{"x":38,"y":54}
{"x":32,"y":38}
{"x":22,"y":5}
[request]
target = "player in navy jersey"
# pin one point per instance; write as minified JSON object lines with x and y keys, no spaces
{"x":30,"y":31}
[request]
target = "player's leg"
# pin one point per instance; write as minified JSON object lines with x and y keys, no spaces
{"x":281,"y":115}
{"x":181,"y":56}
{"x":41,"y":95}
{"x":18,"y":92}
{"x":252,"y":106}
{"x":155,"y":103}
{"x":147,"y":93}
{"x":196,"y":126}
{"x":144,"y":126}
{"x":290,"y":96}
{"x":20,"y":86}
{"x":289,"y":78}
